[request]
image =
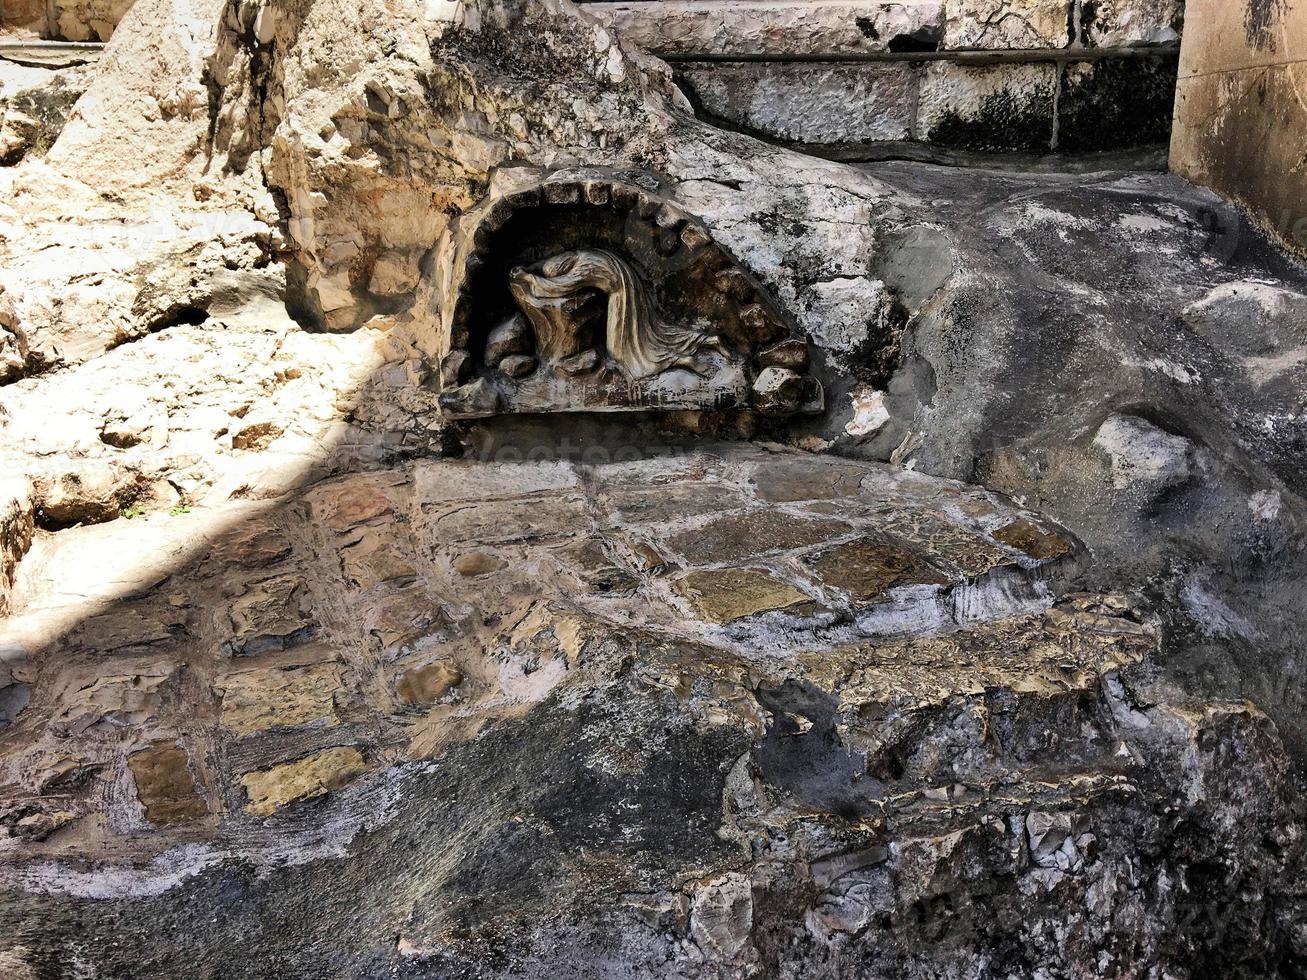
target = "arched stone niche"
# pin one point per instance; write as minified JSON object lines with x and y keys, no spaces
{"x":603,"y":295}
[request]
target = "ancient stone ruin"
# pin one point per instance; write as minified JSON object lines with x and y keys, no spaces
{"x":599,"y":294}
{"x":690,"y":489}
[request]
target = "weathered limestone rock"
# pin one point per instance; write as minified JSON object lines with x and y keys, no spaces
{"x":13,"y":341}
{"x":133,"y":696}
{"x":17,"y":513}
{"x":752,"y":534}
{"x":1132,"y":22}
{"x":23,"y":14}
{"x":999,"y":24}
{"x":90,"y":494}
{"x":992,"y":107}
{"x":811,"y":104}
{"x":34,"y":105}
{"x":396,"y":273}
{"x":888,"y":670}
{"x":860,"y":325}
{"x":779,"y":27}
{"x":1037,"y":542}
{"x":721,"y":917}
{"x":270,"y":614}
{"x":682,"y":738}
{"x":87,"y":20}
{"x":866,"y":569}
{"x":426,"y":685}
{"x":477,"y":563}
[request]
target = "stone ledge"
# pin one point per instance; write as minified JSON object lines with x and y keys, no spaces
{"x":788,"y":27}
{"x":798,"y":28}
{"x":836,"y":109}
{"x":50,"y":54}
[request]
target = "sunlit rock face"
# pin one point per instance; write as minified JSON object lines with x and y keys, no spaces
{"x":301,"y":675}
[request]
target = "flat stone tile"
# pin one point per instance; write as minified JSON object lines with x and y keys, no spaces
{"x":511,"y":520}
{"x":866,"y":569}
{"x":439,"y":481}
{"x":1032,"y":539}
{"x":165,"y":785}
{"x":673,"y":502}
{"x":755,"y":533}
{"x":790,"y":480}
{"x":728,"y":594}
{"x":810,"y":103}
{"x":272,"y":789}
{"x":266,"y":698}
{"x":940,"y":540}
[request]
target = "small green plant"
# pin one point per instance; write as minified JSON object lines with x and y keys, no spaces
{"x":179,"y":510}
{"x":131,"y":513}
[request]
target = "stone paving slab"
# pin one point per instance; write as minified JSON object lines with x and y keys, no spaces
{"x":290,"y":650}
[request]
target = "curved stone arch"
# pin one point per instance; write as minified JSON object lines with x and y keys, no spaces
{"x":692,"y":277}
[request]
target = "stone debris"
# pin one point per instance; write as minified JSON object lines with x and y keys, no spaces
{"x":869,"y":414}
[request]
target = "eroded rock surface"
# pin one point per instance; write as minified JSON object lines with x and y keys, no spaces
{"x":875,"y":757}
{"x":297,"y":677}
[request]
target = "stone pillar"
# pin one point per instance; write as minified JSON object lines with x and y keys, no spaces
{"x":1241,"y":109}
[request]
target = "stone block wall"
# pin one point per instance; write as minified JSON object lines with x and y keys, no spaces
{"x":873,"y":77}
{"x":1241,"y":109}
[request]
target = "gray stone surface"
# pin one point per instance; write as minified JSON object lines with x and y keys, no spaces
{"x":775,"y":27}
{"x":1004,"y":107}
{"x":1073,"y":300}
{"x":1141,"y":453}
{"x":829,"y":104}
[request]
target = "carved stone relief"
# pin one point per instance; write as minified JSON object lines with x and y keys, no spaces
{"x":602,"y":295}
